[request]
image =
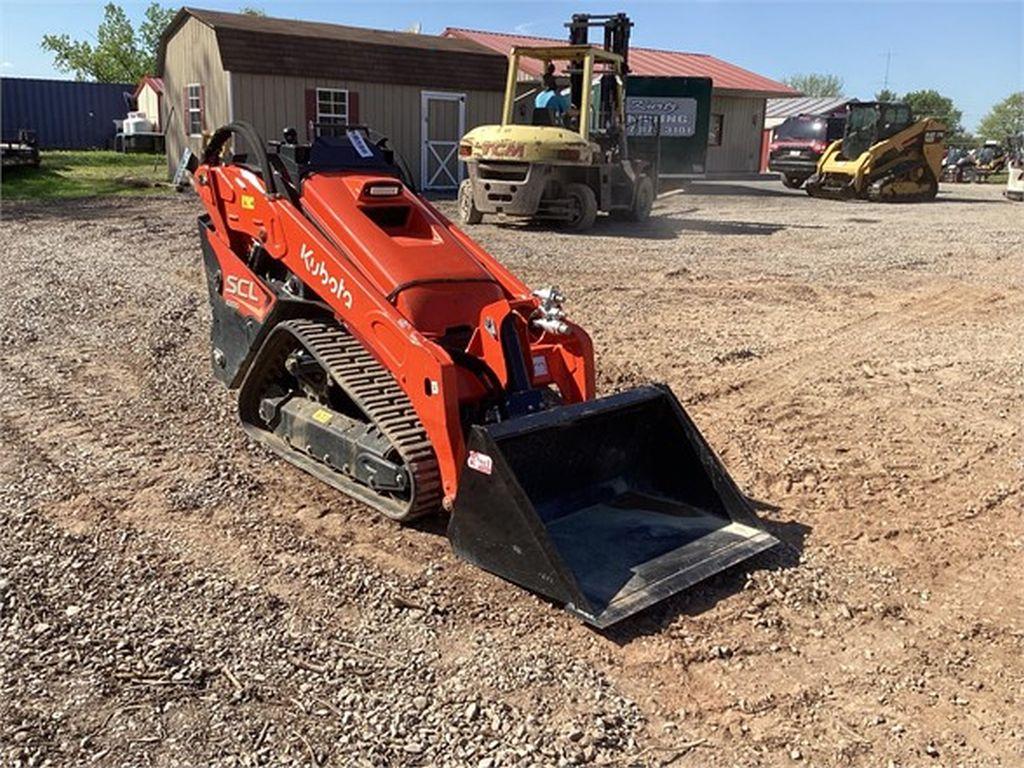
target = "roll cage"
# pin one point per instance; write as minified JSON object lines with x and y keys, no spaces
{"x":587,"y":61}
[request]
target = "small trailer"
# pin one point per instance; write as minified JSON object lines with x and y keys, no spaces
{"x":21,"y":150}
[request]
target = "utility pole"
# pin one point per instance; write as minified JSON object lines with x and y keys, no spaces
{"x":888,"y":60}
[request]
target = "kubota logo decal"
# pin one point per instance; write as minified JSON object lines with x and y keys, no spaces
{"x":319,"y":270}
{"x":503,"y":149}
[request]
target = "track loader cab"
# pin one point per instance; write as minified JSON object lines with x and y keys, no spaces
{"x":562,"y":166}
{"x":885,"y":154}
{"x":868,"y":124}
{"x":958,"y":165}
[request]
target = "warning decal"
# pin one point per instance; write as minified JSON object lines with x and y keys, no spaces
{"x":481,"y":462}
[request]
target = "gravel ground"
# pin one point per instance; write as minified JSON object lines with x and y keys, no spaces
{"x":172,"y":595}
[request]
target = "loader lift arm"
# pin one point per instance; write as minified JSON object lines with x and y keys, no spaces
{"x":244,"y":207}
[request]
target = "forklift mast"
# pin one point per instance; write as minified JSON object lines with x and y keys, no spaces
{"x":616,"y":40}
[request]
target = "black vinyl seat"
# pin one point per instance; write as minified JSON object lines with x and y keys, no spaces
{"x":543,"y":116}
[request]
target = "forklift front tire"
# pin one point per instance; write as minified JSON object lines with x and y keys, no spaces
{"x":643,"y":200}
{"x":468,"y":212}
{"x":582,"y":207}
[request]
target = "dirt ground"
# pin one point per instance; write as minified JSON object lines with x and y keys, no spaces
{"x":171,"y":595}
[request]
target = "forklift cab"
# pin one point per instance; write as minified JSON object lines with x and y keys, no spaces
{"x":596,"y":113}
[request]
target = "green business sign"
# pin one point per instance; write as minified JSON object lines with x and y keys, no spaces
{"x":667,"y":122}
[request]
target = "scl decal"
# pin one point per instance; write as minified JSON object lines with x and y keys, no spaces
{"x":241,"y":287}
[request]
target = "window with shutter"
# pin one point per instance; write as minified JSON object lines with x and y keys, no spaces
{"x":194,"y":106}
{"x":331,"y":109}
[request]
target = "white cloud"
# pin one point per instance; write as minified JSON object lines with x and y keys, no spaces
{"x":5,"y":65}
{"x":525,"y":28}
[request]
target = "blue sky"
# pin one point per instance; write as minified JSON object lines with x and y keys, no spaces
{"x":971,"y":51}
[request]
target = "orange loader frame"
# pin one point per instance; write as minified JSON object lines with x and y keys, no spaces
{"x":378,"y":348}
{"x":345,"y":267}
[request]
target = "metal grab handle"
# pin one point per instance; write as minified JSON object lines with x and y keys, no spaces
{"x":211,"y":155}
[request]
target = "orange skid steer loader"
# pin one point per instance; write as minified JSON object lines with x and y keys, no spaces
{"x":377,"y":347}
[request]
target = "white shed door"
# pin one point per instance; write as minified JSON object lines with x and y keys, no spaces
{"x":444,"y":122}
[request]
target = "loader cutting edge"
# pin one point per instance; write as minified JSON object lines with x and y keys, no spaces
{"x":406,"y":367}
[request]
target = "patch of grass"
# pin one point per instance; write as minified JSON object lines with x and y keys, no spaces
{"x":86,"y":174}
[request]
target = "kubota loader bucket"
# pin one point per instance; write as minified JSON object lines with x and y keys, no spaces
{"x":607,"y":506}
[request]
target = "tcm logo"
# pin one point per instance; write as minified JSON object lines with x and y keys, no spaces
{"x":503,"y":149}
{"x":242,"y":288}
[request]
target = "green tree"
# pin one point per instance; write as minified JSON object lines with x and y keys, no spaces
{"x":154,"y":21}
{"x":933,"y":104}
{"x":965,"y":139}
{"x":121,"y":54}
{"x":1004,"y":119}
{"x":886,"y":95}
{"x":251,"y":10}
{"x":816,"y":84}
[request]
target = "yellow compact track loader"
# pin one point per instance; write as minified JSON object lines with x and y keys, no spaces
{"x":885,"y":155}
{"x":989,"y":159}
{"x":562,"y":167}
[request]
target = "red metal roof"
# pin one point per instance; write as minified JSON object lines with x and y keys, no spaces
{"x":725,"y":77}
{"x":156,"y":83}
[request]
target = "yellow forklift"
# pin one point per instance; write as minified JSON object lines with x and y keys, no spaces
{"x":885,"y":155}
{"x":562,"y":167}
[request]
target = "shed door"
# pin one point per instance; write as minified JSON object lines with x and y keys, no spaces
{"x":444,"y":122}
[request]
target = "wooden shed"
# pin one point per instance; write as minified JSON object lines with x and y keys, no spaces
{"x":149,"y":94}
{"x":421,"y":91}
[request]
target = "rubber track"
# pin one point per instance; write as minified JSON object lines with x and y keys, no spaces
{"x":373,"y":389}
{"x":875,"y":188}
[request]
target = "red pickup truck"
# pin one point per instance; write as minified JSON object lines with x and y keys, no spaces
{"x":798,"y":143}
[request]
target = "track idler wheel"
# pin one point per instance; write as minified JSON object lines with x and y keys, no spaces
{"x":317,"y":398}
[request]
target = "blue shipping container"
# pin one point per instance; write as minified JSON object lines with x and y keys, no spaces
{"x":65,"y":114}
